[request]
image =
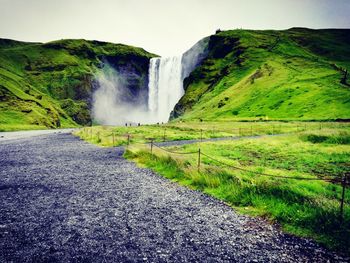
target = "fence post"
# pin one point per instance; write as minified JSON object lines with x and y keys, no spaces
{"x":342,"y":200}
{"x":199,"y":159}
{"x":128,"y":139}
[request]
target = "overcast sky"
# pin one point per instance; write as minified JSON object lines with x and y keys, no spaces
{"x":164,"y":27}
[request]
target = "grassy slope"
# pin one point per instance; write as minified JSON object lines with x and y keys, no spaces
{"x":50,"y":85}
{"x":305,"y":208}
{"x":291,"y":74}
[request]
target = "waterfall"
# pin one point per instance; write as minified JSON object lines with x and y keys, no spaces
{"x":165,"y":86}
{"x":117,"y":100}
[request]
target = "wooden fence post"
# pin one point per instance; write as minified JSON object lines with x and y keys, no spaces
{"x":342,"y":200}
{"x":199,"y":159}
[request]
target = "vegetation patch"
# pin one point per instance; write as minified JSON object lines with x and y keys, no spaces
{"x":339,"y":138}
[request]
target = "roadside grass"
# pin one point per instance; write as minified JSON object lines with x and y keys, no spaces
{"x":302,"y":207}
{"x":174,"y":131}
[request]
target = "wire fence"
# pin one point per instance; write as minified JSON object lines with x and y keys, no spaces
{"x":265,"y":174}
{"x":173,"y":152}
{"x":133,"y":139}
{"x":165,"y":133}
{"x":344,"y":181}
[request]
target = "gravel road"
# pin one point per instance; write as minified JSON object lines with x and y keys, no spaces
{"x":4,"y":136}
{"x":64,"y":200}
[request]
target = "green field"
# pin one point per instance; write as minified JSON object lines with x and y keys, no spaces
{"x":308,"y":208}
{"x":175,"y":131}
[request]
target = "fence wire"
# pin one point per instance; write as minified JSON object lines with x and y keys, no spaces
{"x":180,"y":153}
{"x":265,"y":174}
{"x":332,"y":180}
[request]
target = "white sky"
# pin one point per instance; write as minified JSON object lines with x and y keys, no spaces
{"x":164,"y":27}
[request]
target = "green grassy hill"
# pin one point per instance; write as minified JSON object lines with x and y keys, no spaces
{"x":50,"y":85}
{"x":291,"y":74}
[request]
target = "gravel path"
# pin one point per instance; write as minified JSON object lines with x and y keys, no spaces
{"x":4,"y":136}
{"x":65,"y":200}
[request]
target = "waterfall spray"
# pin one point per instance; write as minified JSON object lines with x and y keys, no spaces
{"x":111,"y":103}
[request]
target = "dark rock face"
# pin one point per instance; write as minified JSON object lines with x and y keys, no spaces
{"x":191,"y":60}
{"x":134,"y":71}
{"x":194,"y":57}
{"x":220,"y":46}
{"x":216,"y":46}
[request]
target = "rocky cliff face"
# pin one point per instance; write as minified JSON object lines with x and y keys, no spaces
{"x":191,"y":59}
{"x":134,"y":72}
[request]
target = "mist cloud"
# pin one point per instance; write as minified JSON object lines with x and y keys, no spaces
{"x":110,"y":103}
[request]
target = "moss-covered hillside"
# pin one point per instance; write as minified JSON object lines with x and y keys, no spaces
{"x":291,"y":74}
{"x":50,"y":85}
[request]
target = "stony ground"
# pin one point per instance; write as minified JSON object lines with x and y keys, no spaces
{"x":4,"y":136}
{"x":65,"y":200}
